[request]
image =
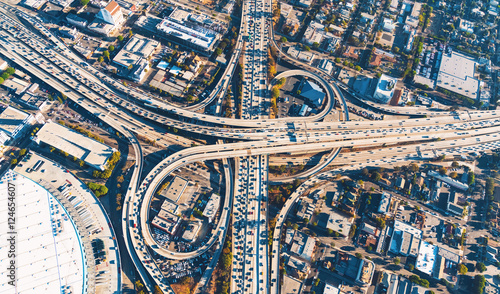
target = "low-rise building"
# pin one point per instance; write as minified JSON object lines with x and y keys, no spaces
{"x":339,"y":223}
{"x":385,"y":203}
{"x":303,"y":246}
{"x":92,"y":152}
{"x":298,"y":267}
{"x":16,"y":85}
{"x":166,"y":221}
{"x":108,"y":20}
{"x":312,"y":92}
{"x":13,"y":123}
{"x":175,"y":189}
{"x":212,"y":207}
{"x":191,"y":232}
{"x":384,"y":89}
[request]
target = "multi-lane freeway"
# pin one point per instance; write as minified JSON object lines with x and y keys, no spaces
{"x":124,"y":109}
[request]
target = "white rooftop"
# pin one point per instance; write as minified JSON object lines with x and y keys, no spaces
{"x":176,"y":25}
{"x":456,"y":74}
{"x":48,"y":260}
{"x":212,"y":206}
{"x":426,"y":258}
{"x":11,"y":118}
{"x":385,"y":88}
{"x":400,"y":226}
{"x":137,"y":47}
{"x":74,"y":143}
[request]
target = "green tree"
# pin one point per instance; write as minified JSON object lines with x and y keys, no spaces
{"x":1,"y":80}
{"x":111,"y":48}
{"x":358,"y":255}
{"x":120,"y":38}
{"x":100,"y":59}
{"x":478,"y":284}
{"x":218,"y":52}
{"x":307,"y":48}
{"x":130,"y":33}
{"x":22,"y":152}
{"x":462,"y":269}
{"x":84,"y":2}
{"x":315,"y":45}
{"x":481,"y":267}
{"x":106,"y":54}
{"x":283,"y":40}
{"x":10,"y":70}
{"x":396,"y":261}
{"x":13,"y":161}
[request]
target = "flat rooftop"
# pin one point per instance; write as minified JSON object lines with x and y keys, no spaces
{"x":136,"y":48}
{"x":212,"y":206}
{"x":74,"y":143}
{"x":191,"y":231}
{"x":339,"y":223}
{"x":426,"y":258}
{"x":456,"y":74}
{"x":291,"y":285}
{"x":11,"y":118}
{"x":49,"y":258}
{"x":178,"y":25}
{"x":176,"y":188}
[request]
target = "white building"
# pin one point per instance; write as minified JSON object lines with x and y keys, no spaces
{"x":185,"y":28}
{"x":212,"y":207}
{"x":456,"y":74}
{"x":108,"y":20}
{"x":93,"y":153}
{"x":385,"y":89}
{"x":13,"y":123}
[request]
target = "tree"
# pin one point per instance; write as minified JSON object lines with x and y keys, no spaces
{"x":358,"y":255}
{"x":376,"y":176}
{"x":283,"y":40}
{"x":411,"y":267}
{"x":307,"y":48}
{"x":396,"y":260}
{"x":13,"y":161}
{"x":130,"y":33}
{"x":5,"y":75}
{"x":120,"y":38}
{"x":414,"y":167}
{"x":480,"y":267}
{"x":10,"y":70}
{"x":462,"y":269}
{"x":1,"y":80}
{"x":295,"y":226}
{"x":22,"y":152}
{"x":454,"y":164}
{"x":316,"y":282}
{"x":453,"y":175}
{"x":442,"y":170}
{"x":315,"y":45}
{"x":218,"y":51}
{"x":357,"y":68}
{"x":84,"y":2}
{"x":478,"y":284}
{"x":111,"y":48}
{"x":106,"y":54}
{"x":100,"y":59}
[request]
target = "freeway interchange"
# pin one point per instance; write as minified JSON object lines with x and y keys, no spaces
{"x":250,"y":140}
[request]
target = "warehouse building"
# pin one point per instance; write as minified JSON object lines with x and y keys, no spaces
{"x":13,"y":123}
{"x":93,"y":153}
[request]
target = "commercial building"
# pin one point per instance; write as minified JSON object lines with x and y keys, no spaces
{"x":33,"y":101}
{"x":303,"y":245}
{"x":339,"y":223}
{"x":76,"y":21}
{"x":16,"y":85}
{"x":212,"y":207}
{"x":108,"y":20}
{"x":191,"y":30}
{"x":191,"y":232}
{"x":166,"y":221}
{"x":452,"y":182}
{"x":175,"y":189}
{"x":312,"y":92}
{"x":72,"y":34}
{"x":384,"y":89}
{"x":13,"y":123}
{"x":92,"y":152}
{"x":3,"y":64}
{"x":306,"y":56}
{"x":326,"y":65}
{"x":137,"y":48}
{"x":298,"y":267}
{"x":405,"y":239}
{"x":34,"y":4}
{"x":385,"y":203}
{"x":291,"y":285}
{"x":456,"y":74}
